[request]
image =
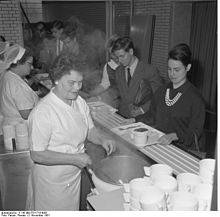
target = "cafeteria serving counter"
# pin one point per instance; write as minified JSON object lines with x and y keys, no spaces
{"x":15,"y":166}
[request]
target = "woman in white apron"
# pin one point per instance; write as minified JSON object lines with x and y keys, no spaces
{"x":58,"y":127}
{"x":17,"y":99}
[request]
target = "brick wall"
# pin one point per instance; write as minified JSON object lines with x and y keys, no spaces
{"x":10,"y":21}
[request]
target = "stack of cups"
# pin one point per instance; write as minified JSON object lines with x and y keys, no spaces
{"x":9,"y":135}
{"x":133,"y":191}
{"x":203,"y":192}
{"x":152,"y":199}
{"x":161,"y":176}
{"x":21,"y":136}
{"x":158,"y":170}
{"x":206,"y":170}
{"x":182,"y":201}
{"x":167,"y":184}
{"x":188,"y":181}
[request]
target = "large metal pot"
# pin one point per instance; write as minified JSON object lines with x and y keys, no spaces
{"x":109,"y":172}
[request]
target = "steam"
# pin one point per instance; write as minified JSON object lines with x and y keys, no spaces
{"x":91,"y":48}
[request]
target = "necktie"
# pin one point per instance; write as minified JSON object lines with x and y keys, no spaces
{"x":128,"y":76}
{"x":58,"y":47}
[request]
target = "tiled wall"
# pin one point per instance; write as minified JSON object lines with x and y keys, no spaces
{"x":161,"y":9}
{"x":10,"y":21}
{"x":33,"y":10}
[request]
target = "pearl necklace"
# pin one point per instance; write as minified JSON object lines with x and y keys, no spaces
{"x":170,"y":102}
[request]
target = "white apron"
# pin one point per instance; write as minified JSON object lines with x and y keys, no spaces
{"x":16,"y":95}
{"x":58,"y":187}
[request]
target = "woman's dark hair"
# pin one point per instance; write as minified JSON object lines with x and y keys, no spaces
{"x":182,"y":53}
{"x":57,"y":24}
{"x":64,"y":64}
{"x":124,"y":43}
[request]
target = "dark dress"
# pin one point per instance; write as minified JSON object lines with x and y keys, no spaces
{"x":185,"y":118}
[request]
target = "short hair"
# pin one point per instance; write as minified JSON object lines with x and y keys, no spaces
{"x":64,"y":64}
{"x":58,"y":24}
{"x":111,"y":41}
{"x":182,"y":53}
{"x":40,"y":23}
{"x":124,"y":43}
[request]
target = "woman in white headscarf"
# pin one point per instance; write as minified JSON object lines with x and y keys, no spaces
{"x":17,"y":99}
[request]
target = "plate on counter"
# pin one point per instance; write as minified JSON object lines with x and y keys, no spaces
{"x":124,"y":129}
{"x":101,"y":106}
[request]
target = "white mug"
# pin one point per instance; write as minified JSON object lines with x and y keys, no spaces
{"x":167,"y":184}
{"x":8,"y":134}
{"x":152,"y":199}
{"x":207,"y":169}
{"x":135,"y":203}
{"x":182,"y":201}
{"x":126,"y":197}
{"x":203,"y":193}
{"x":140,"y":136}
{"x":188,"y":181}
{"x":136,"y":186}
{"x":8,"y":131}
{"x":158,"y":170}
{"x":126,"y":206}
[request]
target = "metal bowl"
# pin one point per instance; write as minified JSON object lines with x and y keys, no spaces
{"x":118,"y":169}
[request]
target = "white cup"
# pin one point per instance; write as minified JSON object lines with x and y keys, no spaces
{"x":152,"y":199}
{"x":167,"y":184}
{"x":126,"y":206}
{"x":22,"y":142}
{"x":135,"y":203}
{"x":158,"y":170}
{"x":21,"y":129}
{"x":206,"y":170}
{"x":140,"y":136}
{"x":8,"y":144}
{"x":136,"y":186}
{"x":203,"y":193}
{"x":188,"y":181}
{"x":182,"y":201}
{"x":134,"y":209}
{"x":126,"y":197}
{"x":8,"y":134}
{"x":8,"y":131}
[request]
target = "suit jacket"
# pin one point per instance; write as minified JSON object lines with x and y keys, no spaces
{"x":127,"y":93}
{"x":49,"y":52}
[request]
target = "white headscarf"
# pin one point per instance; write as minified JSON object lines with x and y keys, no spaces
{"x":11,"y":54}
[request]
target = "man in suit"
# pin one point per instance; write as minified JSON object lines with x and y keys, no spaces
{"x":53,"y":46}
{"x":136,"y":80}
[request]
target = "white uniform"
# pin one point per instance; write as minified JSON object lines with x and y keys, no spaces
{"x":56,"y":126}
{"x":15,"y":95}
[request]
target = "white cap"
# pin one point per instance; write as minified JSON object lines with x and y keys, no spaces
{"x":13,"y":54}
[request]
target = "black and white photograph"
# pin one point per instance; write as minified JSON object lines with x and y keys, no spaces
{"x":108,"y":105}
